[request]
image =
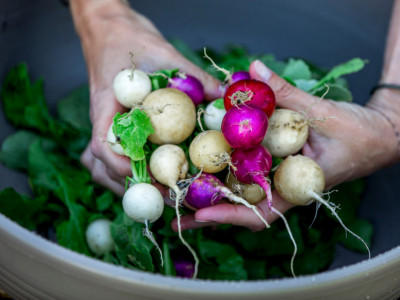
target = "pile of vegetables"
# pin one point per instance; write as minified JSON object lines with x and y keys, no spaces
{"x":220,"y":150}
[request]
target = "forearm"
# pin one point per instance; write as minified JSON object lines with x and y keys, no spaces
{"x":387,"y":101}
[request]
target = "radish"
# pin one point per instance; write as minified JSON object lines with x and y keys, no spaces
{"x":252,"y":193}
{"x":172,"y":114}
{"x":98,"y":237}
{"x":131,"y":86}
{"x":143,"y":203}
{"x":209,"y":151}
{"x":240,"y":75}
{"x":208,"y":190}
{"x":214,"y":114}
{"x":250,"y":92}
{"x":244,"y":126}
{"x":301,"y":181}
{"x":190,"y":85}
{"x":113,"y":142}
{"x":253,"y":166}
{"x":168,"y":165}
{"x":287,"y":132}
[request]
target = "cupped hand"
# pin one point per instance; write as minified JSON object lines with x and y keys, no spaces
{"x":347,"y":140}
{"x":108,"y":34}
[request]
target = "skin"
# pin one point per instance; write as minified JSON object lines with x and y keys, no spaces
{"x":109,"y":30}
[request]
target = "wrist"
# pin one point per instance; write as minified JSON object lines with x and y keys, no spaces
{"x":386,"y":102}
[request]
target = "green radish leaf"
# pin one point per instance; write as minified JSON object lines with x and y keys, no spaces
{"x":161,"y":81}
{"x":132,"y":129}
{"x":305,"y":84}
{"x":296,"y":69}
{"x":336,"y":92}
{"x":352,"y":66}
{"x":20,"y":208}
{"x":219,"y":103}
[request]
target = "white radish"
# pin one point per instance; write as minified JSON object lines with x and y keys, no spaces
{"x":143,"y":203}
{"x":214,"y":114}
{"x":168,"y":165}
{"x":98,"y":237}
{"x":131,"y":86}
{"x":209,"y":151}
{"x":301,"y":181}
{"x":172,"y":114}
{"x":113,"y":142}
{"x":252,"y":193}
{"x":287,"y":132}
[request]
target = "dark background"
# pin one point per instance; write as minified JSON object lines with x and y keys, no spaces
{"x":325,"y":32}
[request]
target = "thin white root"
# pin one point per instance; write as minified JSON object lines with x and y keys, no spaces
{"x":178,"y":199}
{"x":317,"y":197}
{"x":147,"y":233}
{"x":317,"y":206}
{"x":199,"y":113}
{"x":228,"y":75}
{"x":291,"y":237}
{"x":229,"y":194}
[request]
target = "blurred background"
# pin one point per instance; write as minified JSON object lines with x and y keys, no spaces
{"x":326,"y":32}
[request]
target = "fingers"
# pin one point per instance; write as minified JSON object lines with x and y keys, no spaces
{"x":100,"y":174}
{"x":287,"y":96}
{"x":234,"y":214}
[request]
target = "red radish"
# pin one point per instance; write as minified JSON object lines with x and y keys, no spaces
{"x":189,"y":85}
{"x":239,"y":75}
{"x":250,"y":92}
{"x":253,"y":166}
{"x":207,"y":190}
{"x":244,"y":126}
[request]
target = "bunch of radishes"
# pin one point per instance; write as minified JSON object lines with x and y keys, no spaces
{"x":244,"y":131}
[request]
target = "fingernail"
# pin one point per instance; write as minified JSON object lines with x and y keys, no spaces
{"x":202,"y":221}
{"x":262,"y":70}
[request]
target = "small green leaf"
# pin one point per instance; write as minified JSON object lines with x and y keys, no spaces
{"x":296,"y":69}
{"x":352,"y":66}
{"x":133,"y":128}
{"x":219,"y":103}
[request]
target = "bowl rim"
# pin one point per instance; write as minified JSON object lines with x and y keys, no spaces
{"x":12,"y":232}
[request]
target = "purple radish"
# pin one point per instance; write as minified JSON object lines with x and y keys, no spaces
{"x":240,"y":75}
{"x":184,"y":269}
{"x":207,"y":190}
{"x":189,"y":85}
{"x":244,"y":127}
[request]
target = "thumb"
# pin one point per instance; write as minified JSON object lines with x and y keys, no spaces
{"x":287,"y":96}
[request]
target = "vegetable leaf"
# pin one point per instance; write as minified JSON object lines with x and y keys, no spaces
{"x":132,"y":129}
{"x":219,"y":103}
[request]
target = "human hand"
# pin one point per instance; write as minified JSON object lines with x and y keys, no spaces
{"x":109,"y":31}
{"x":351,"y":141}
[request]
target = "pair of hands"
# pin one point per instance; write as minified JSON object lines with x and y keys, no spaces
{"x":349,"y":144}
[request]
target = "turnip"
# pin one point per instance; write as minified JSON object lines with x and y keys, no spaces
{"x":188,"y":84}
{"x":252,"y":193}
{"x":113,"y":142}
{"x":207,"y":190}
{"x":250,"y":92}
{"x":168,"y":165}
{"x":143,"y":203}
{"x":301,"y":181}
{"x":253,"y":166}
{"x":98,"y":237}
{"x":287,"y":132}
{"x":131,"y":86}
{"x":214,"y":114}
{"x":172,"y":114}
{"x":209,"y":151}
{"x":244,"y":126}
